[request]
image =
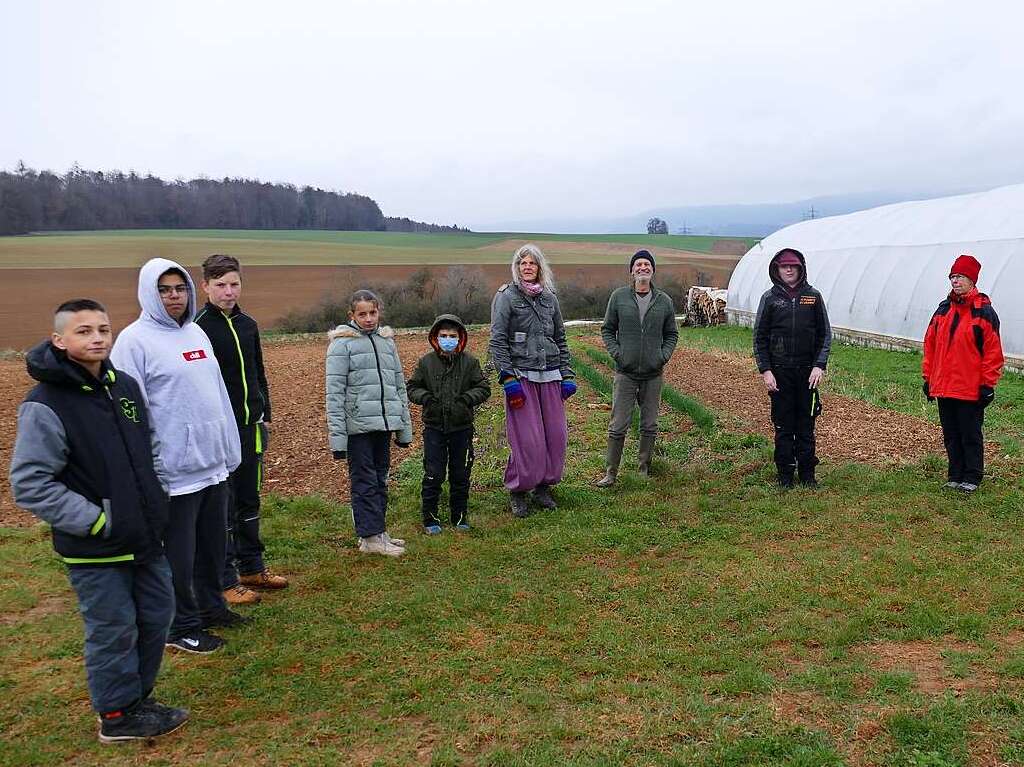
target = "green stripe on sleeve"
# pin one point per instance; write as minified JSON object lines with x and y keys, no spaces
{"x":101,"y":520}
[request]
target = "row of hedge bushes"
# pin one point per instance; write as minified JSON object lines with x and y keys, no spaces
{"x":457,"y":290}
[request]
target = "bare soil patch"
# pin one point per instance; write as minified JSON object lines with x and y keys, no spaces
{"x":729,"y":247}
{"x":271,"y":292}
{"x":47,"y":605}
{"x":926,"y":660}
{"x":298,"y":461}
{"x":847,"y":430}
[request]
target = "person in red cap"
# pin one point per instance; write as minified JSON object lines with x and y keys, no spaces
{"x":792,"y":340}
{"x":963,"y":360}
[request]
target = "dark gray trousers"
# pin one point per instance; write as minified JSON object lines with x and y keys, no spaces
{"x":127,"y":610}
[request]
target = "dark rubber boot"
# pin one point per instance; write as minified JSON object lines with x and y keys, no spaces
{"x":612,"y":460}
{"x":646,"y":453}
{"x":520,"y":508}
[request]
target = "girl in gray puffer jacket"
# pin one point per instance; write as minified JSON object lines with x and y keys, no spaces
{"x":366,"y":404}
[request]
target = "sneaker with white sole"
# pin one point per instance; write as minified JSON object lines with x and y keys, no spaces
{"x":399,"y":542}
{"x":951,"y":485}
{"x":968,"y":487}
{"x":198,"y":643}
{"x":378,"y":544}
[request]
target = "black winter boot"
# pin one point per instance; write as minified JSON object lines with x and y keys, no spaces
{"x":786,"y":477}
{"x":542,"y":495}
{"x":806,"y":474}
{"x":520,"y":508}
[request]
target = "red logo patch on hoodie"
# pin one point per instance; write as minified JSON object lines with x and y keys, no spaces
{"x":192,"y":356}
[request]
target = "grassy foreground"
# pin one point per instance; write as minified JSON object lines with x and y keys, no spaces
{"x":702,"y":618}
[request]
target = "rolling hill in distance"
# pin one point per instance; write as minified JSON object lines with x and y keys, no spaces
{"x":755,"y":220}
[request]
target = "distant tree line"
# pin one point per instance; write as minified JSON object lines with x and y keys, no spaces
{"x":393,"y":224}
{"x":34,"y":201}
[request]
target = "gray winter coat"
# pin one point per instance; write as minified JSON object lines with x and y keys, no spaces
{"x":365,"y":386}
{"x":527,"y":332}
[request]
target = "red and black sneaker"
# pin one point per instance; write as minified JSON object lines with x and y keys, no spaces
{"x":147,"y":719}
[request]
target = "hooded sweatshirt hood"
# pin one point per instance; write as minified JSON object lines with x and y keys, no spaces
{"x":149,"y":294}
{"x":48,"y":364}
{"x":177,"y":370}
{"x":776,"y":278}
{"x":449,"y":319}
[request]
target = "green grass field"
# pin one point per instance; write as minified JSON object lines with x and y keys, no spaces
{"x":702,"y":618}
{"x":128,"y":248}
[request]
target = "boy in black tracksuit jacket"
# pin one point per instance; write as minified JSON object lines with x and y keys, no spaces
{"x":449,"y":384}
{"x":85,"y":462}
{"x":792,"y":340}
{"x":235,"y":338}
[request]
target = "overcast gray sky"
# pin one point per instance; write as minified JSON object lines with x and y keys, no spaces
{"x":478,"y":112}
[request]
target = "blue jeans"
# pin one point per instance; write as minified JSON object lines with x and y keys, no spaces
{"x":127,"y":611}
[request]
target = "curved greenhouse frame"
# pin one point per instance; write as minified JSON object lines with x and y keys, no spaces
{"x":883,"y":271}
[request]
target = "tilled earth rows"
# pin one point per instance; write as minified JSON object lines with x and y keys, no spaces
{"x":298,"y":460}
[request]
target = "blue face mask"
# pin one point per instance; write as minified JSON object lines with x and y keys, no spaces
{"x":448,"y":345}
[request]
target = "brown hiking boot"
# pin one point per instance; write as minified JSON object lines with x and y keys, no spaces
{"x":240,"y":595}
{"x":264,"y":581}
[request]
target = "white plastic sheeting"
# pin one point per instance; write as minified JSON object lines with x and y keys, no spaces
{"x":884,"y":270}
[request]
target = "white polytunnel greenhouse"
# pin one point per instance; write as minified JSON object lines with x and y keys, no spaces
{"x":883,"y":271}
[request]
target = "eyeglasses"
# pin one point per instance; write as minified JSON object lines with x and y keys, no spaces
{"x":166,"y":290}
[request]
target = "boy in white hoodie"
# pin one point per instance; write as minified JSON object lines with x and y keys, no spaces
{"x":172,"y":359}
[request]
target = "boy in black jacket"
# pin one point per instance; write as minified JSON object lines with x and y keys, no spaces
{"x":792,"y":340}
{"x":236,"y":342}
{"x":85,"y":462}
{"x":448,"y":384}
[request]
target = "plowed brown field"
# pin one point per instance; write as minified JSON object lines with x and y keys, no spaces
{"x":298,"y":461}
{"x":271,"y":292}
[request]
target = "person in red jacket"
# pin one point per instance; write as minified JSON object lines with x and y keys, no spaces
{"x":963,"y":359}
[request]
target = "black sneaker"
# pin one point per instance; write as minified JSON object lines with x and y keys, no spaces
{"x":198,"y":642}
{"x":151,"y":704}
{"x":146,"y":720}
{"x":225,"y":618}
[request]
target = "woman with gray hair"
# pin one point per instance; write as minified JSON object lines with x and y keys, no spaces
{"x":529,"y":349}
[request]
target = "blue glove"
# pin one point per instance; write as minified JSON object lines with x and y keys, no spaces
{"x":514,"y":393}
{"x":568,"y":388}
